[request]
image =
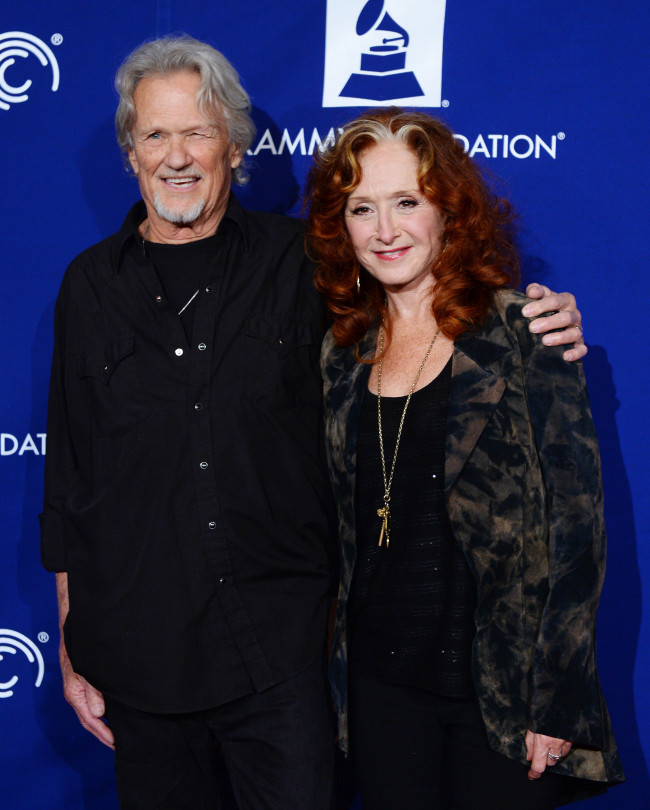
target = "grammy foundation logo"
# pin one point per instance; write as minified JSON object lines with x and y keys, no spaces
{"x":383,"y":74}
{"x":379,"y":53}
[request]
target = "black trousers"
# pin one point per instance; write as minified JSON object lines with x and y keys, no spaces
{"x":420,"y":751}
{"x":277,"y":746}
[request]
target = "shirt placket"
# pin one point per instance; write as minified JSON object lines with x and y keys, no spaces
{"x":202,"y":421}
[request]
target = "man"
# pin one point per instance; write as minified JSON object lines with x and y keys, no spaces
{"x":186,"y":503}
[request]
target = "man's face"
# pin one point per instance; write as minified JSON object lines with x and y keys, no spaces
{"x":183,"y":161}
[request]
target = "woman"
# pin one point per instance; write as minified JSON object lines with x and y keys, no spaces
{"x":466,"y":470}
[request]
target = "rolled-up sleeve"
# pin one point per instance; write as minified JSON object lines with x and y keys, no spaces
{"x":61,"y":461}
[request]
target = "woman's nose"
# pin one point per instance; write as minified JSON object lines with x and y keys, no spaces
{"x":386,"y":226}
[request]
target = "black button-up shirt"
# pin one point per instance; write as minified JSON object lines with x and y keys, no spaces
{"x":186,"y":493}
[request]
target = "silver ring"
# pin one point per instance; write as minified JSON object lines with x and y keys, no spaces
{"x":554,"y":757}
{"x":577,"y":326}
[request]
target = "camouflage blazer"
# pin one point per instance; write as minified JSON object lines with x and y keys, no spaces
{"x":524,"y":496}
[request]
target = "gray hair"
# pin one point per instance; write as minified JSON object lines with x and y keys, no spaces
{"x":220,"y":93}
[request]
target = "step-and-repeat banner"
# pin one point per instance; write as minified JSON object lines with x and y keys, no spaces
{"x":548,"y":95}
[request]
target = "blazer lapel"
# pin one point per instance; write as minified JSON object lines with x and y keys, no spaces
{"x":477,"y":385}
{"x":344,"y":397}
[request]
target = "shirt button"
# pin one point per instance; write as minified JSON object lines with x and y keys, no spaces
{"x":203,"y":465}
{"x":158,"y":299}
{"x":178,"y":352}
{"x":212,"y":525}
{"x":208,"y":289}
{"x":202,"y":347}
{"x":281,"y":341}
{"x":197,"y":406}
{"x":222,"y":580}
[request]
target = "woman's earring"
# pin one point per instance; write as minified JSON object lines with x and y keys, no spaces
{"x":358,"y":282}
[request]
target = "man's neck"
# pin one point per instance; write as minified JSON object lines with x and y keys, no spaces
{"x":156,"y":229}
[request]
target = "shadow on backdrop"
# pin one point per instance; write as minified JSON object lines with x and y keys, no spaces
{"x":619,"y":618}
{"x":273,"y":185}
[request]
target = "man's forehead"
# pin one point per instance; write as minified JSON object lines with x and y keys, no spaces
{"x":153,"y":94}
{"x":160,"y":83}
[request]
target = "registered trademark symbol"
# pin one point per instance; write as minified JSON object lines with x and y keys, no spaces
{"x":56,"y":39}
{"x":43,"y":637}
{"x":561,"y":136}
{"x":445,"y":103}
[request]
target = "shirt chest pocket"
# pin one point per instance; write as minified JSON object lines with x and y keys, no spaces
{"x":282,"y":361}
{"x":110,"y":376}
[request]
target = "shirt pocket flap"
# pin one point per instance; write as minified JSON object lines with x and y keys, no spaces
{"x":281,"y":332}
{"x":101,"y":365}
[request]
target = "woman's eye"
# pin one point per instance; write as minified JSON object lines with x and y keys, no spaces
{"x":360,"y":209}
{"x":407,"y":203}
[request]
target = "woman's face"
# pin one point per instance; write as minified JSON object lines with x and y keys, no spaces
{"x":395,"y":231}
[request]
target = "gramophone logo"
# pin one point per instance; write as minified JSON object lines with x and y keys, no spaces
{"x":379,"y":52}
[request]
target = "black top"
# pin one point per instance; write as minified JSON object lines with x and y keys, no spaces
{"x":411,"y":608}
{"x":186,"y":493}
{"x":182,"y":271}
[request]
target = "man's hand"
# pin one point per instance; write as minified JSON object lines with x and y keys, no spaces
{"x":567,"y":317}
{"x":543,"y":752}
{"x":87,"y":702}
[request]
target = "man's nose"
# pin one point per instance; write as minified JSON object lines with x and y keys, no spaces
{"x":177,"y":155}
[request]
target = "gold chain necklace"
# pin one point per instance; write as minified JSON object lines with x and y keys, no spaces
{"x":384,"y":512}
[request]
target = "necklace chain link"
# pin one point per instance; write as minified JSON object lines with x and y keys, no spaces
{"x":384,"y":512}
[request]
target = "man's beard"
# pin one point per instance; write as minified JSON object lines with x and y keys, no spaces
{"x":186,"y":217}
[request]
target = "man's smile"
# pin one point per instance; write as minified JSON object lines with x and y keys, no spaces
{"x":181,"y":183}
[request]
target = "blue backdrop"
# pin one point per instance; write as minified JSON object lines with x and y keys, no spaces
{"x":547,"y":94}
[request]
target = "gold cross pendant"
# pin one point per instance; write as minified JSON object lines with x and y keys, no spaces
{"x":384,"y":514}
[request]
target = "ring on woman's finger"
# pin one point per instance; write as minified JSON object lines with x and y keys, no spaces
{"x":554,"y":757}
{"x":577,"y":326}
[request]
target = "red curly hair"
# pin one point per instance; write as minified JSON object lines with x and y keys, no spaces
{"x":479,"y":255}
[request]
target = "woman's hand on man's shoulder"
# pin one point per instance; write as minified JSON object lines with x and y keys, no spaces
{"x":565,"y":317}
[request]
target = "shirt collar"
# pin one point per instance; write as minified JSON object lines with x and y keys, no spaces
{"x":138,"y":213}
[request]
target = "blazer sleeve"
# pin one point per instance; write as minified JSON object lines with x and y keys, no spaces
{"x":566,"y":701}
